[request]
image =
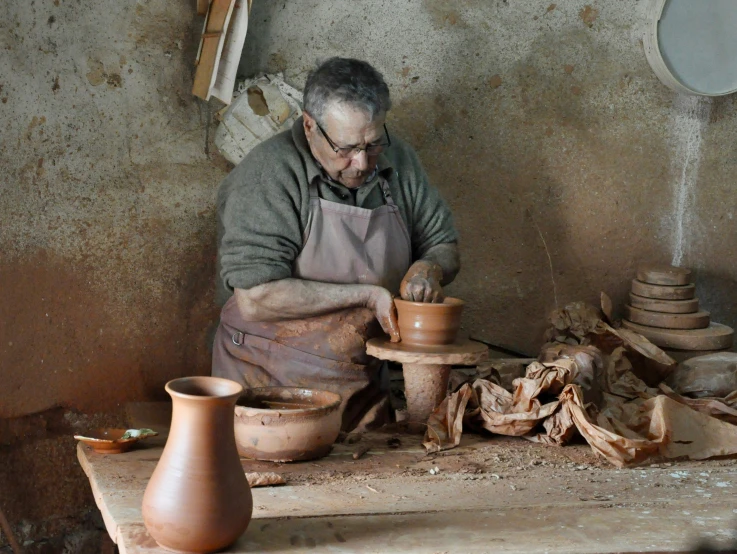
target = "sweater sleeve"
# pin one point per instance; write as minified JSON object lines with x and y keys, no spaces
{"x":259,"y":208}
{"x":432,"y":221}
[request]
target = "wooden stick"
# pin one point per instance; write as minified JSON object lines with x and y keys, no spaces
{"x":9,"y":534}
{"x":360,"y":451}
{"x":215,"y":26}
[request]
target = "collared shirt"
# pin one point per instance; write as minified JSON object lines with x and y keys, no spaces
{"x":263,"y":206}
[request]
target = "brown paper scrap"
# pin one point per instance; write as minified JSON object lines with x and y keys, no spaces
{"x":629,"y":421}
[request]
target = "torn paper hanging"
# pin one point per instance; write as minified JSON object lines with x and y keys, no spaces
{"x":263,"y":107}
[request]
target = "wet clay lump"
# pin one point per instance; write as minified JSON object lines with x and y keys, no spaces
{"x":425,"y":323}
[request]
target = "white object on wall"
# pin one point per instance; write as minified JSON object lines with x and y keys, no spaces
{"x":223,"y":83}
{"x":691,"y":45}
{"x":263,"y":107}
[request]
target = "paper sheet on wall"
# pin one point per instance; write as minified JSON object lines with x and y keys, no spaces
{"x":223,"y":82}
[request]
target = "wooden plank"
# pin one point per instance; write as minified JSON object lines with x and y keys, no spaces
{"x":202,"y":6}
{"x":119,"y":483}
{"x":571,"y":529}
{"x":209,"y":47}
{"x":488,"y":496}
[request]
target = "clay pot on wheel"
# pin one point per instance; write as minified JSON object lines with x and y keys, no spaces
{"x":198,"y":499}
{"x":427,"y":324}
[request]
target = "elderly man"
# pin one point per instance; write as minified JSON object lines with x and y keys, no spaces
{"x":321,"y":227}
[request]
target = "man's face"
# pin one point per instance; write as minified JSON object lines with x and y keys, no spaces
{"x":346,"y":126}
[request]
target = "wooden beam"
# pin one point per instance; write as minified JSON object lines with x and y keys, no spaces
{"x":209,"y":47}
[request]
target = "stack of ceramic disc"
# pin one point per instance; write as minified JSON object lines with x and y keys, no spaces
{"x":663,"y":308}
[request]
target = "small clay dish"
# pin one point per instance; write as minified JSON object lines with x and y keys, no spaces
{"x":428,"y":324}
{"x":114,"y":441}
{"x":286,"y":424}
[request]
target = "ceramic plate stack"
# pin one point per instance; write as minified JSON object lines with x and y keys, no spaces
{"x":664,"y":309}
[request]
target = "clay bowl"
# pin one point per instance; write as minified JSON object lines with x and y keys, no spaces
{"x":427,"y":324}
{"x":286,"y":424}
{"x":113,"y":441}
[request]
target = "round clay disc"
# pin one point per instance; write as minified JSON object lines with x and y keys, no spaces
{"x":714,"y":337}
{"x":663,"y":292}
{"x":462,"y":352}
{"x":663,"y":275}
{"x":665,"y":306}
{"x":698,"y":320}
{"x":683,"y":355}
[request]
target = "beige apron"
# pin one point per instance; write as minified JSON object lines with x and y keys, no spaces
{"x":343,"y":245}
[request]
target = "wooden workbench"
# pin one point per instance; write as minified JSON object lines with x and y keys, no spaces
{"x":491,"y":495}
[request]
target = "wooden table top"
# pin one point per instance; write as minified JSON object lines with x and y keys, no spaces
{"x":491,"y":495}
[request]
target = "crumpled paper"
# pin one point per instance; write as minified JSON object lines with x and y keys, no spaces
{"x":588,"y":381}
{"x":487,"y":405}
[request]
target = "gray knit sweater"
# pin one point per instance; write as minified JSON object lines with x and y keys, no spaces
{"x":263,"y":206}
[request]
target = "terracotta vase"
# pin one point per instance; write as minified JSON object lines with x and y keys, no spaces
{"x":198,"y":499}
{"x":427,"y":324}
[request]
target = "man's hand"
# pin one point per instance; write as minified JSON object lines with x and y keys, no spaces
{"x":381,"y":302}
{"x":422,"y":283}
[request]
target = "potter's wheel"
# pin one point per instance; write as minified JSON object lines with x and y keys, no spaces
{"x":426,"y":370}
{"x":461,"y":352}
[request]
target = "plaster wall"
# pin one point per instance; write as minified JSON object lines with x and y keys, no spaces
{"x":107,"y":204}
{"x":564,"y":159}
{"x":566,"y":162}
{"x":107,"y":228}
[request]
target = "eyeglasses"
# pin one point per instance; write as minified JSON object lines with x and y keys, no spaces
{"x":350,"y":151}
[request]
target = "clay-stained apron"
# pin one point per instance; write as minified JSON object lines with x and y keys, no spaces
{"x":343,"y":245}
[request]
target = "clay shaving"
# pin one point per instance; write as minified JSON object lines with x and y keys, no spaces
{"x":264,"y":479}
{"x":599,"y":382}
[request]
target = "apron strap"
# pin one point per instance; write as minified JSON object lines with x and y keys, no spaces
{"x":383,"y":183}
{"x":386,"y":192}
{"x":314,"y":193}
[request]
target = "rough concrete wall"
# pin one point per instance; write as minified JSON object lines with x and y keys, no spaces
{"x":107,"y":204}
{"x":565,"y":160}
{"x":107,"y":227}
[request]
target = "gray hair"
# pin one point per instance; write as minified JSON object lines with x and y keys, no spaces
{"x":345,"y":80}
